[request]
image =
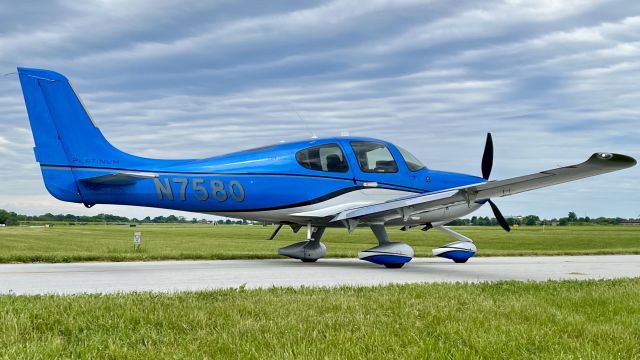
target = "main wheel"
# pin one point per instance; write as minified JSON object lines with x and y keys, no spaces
{"x":309,"y":260}
{"x":460,"y":261}
{"x":394,"y":266}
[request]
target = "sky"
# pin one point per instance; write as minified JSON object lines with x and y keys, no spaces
{"x":553,"y":81}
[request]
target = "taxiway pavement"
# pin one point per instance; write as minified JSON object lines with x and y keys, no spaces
{"x":168,"y":276}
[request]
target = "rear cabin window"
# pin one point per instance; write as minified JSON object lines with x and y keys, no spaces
{"x":374,"y":157}
{"x":328,"y":158}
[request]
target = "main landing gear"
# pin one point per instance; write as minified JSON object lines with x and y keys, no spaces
{"x":387,"y":253}
{"x":392,"y":255}
{"x":309,"y":250}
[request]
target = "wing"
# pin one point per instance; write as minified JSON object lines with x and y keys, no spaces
{"x":599,"y":163}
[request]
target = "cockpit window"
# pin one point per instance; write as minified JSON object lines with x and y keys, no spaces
{"x":327,"y":158}
{"x":374,"y":157}
{"x":412,"y":162}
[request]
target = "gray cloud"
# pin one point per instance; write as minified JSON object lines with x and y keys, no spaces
{"x":554,"y":81}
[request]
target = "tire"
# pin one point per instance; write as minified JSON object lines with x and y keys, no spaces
{"x":309,"y":260}
{"x":394,"y":266}
{"x":460,"y":261}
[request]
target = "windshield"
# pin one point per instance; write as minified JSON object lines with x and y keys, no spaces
{"x":412,"y":162}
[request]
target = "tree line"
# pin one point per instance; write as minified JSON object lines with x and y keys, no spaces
{"x":11,"y":218}
{"x":530,"y":220}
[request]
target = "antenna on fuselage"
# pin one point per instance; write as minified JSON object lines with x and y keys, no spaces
{"x":313,"y":134}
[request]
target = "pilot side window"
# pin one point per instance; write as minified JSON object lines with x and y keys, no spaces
{"x":374,"y":157}
{"x":327,"y":158}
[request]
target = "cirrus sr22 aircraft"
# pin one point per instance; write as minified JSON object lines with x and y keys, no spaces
{"x":317,"y":183}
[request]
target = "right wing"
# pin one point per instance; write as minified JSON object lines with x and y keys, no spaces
{"x":599,"y":163}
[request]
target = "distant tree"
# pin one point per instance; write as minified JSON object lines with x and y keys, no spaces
{"x":572,"y":217}
{"x":460,"y":222}
{"x":531,"y":220}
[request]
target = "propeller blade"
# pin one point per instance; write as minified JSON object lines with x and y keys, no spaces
{"x":275,"y":232}
{"x":501,"y":220}
{"x":487,"y":158}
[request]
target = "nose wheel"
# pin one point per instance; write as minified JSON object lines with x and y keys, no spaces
{"x":394,"y":266}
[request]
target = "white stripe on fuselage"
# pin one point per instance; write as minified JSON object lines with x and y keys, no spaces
{"x":322,"y":209}
{"x":320,"y":213}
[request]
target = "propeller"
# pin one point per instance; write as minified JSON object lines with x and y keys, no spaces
{"x":501,"y":220}
{"x":487,"y":165}
{"x":487,"y":158}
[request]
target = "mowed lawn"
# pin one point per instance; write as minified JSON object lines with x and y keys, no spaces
{"x":63,"y":243}
{"x":504,"y":320}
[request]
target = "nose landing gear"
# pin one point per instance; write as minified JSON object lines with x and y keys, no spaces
{"x":459,"y":251}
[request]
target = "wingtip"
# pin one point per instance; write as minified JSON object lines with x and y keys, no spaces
{"x":619,"y":161}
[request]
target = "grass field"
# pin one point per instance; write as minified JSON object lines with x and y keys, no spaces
{"x":115,"y":243}
{"x":509,"y":320}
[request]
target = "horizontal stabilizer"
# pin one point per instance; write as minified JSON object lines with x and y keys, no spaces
{"x":122,"y":178}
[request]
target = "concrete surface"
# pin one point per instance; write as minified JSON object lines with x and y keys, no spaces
{"x":166,"y":276}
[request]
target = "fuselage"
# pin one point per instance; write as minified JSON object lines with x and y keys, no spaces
{"x":288,"y":182}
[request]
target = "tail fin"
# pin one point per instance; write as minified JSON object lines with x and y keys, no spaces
{"x":65,"y":135}
{"x":63,"y":130}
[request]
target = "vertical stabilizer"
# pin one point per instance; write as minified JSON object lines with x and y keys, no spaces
{"x":63,"y":130}
{"x":65,"y":135}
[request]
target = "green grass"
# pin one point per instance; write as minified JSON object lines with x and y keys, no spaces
{"x":508,"y":320}
{"x":115,"y":243}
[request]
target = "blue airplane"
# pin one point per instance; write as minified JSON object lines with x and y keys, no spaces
{"x":318,"y":183}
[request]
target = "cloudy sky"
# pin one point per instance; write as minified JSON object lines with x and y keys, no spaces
{"x":554,"y":81}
